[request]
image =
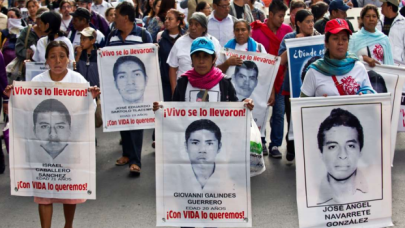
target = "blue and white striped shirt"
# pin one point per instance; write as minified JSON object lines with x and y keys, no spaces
{"x":134,"y":37}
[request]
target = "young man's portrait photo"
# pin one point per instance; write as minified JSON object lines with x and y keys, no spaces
{"x":245,"y":79}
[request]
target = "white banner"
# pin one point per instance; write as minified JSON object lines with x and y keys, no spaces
{"x":254,"y":79}
{"x":203,"y":164}
{"x":343,"y":163}
{"x":130,"y":83}
{"x":389,"y":79}
{"x":52,"y":140}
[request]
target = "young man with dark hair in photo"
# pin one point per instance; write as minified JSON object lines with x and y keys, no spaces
{"x":203,"y":143}
{"x":340,"y":141}
{"x":245,"y":79}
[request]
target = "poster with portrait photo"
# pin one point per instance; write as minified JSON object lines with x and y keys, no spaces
{"x":254,"y":79}
{"x":301,"y":53}
{"x":343,"y":163}
{"x":203,"y":164}
{"x":32,"y":69}
{"x":130,"y":82}
{"x":52,"y":140}
{"x":389,"y":79}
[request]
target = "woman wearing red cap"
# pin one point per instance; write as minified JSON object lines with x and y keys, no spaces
{"x":338,"y":72}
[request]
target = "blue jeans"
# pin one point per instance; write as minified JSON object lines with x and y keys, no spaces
{"x":277,"y":121}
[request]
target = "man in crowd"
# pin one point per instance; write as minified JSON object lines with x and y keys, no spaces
{"x":81,"y":20}
{"x":100,"y":6}
{"x":337,"y":9}
{"x":270,"y":35}
{"x":220,"y":22}
{"x":241,"y":10}
{"x":392,"y":24}
{"x":128,"y":33}
{"x":96,"y":19}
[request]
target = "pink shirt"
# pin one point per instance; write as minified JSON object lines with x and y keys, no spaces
{"x":260,"y":37}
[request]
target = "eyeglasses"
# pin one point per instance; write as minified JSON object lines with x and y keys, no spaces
{"x":224,"y":6}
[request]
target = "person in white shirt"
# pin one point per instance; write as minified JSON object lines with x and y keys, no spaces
{"x":50,"y":24}
{"x":179,"y":58}
{"x":220,"y":22}
{"x":65,"y":10}
{"x":100,"y":6}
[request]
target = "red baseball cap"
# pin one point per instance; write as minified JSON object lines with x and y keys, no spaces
{"x":336,"y":25}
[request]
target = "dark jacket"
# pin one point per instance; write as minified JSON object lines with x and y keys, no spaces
{"x":320,"y":25}
{"x":90,"y":71}
{"x":20,"y":49}
{"x":226,"y":89}
{"x":98,"y":22}
{"x":165,"y":46}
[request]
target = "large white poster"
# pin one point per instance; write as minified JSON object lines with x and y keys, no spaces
{"x":254,"y":79}
{"x":52,"y":140}
{"x":203,"y":165}
{"x":130,"y":82}
{"x":389,"y":79}
{"x":343,"y":163}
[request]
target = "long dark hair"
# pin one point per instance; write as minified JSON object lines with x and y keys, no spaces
{"x":54,"y":20}
{"x":300,"y":16}
{"x":165,"y":6}
{"x":152,"y":12}
{"x":364,"y":11}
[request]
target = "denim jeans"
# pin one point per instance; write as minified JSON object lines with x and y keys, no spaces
{"x":132,"y":146}
{"x":277,"y":121}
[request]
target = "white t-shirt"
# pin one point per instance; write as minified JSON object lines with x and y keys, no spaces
{"x":317,"y":84}
{"x":39,"y":54}
{"x":71,"y":77}
{"x":376,"y":52}
{"x":179,"y":56}
{"x":243,"y":47}
{"x":194,"y":94}
{"x":65,"y":24}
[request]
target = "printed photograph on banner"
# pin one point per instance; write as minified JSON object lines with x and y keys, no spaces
{"x":130,"y":82}
{"x":343,"y":163}
{"x":254,"y":79}
{"x":401,"y":121}
{"x":52,"y":140}
{"x":301,"y":53}
{"x":203,"y":173}
{"x":342,"y":150}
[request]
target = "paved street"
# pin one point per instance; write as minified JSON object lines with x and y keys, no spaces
{"x":127,"y":201}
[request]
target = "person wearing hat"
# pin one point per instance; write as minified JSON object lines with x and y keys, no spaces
{"x":98,"y":21}
{"x":220,"y":22}
{"x":86,"y":56}
{"x":80,"y":21}
{"x":337,"y":9}
{"x":392,"y":24}
{"x":338,"y":72}
{"x":179,"y":58}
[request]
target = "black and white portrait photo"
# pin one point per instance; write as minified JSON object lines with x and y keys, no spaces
{"x":203,"y":143}
{"x":130,"y":79}
{"x":343,"y":154}
{"x":245,"y":79}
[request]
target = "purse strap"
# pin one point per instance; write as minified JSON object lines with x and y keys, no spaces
{"x":338,"y":86}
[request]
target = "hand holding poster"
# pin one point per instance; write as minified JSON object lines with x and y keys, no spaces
{"x":130,"y":82}
{"x":343,"y":163}
{"x":52,"y":147}
{"x":301,"y":53}
{"x":202,"y":165}
{"x":254,"y":79}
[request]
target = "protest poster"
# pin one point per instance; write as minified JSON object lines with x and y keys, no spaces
{"x":130,"y":83}
{"x":401,"y":119}
{"x":301,"y":53}
{"x":52,"y":140}
{"x":254,"y":79}
{"x":202,"y":164}
{"x":343,"y":163}
{"x":389,"y":79}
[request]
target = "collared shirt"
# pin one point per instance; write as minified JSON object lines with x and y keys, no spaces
{"x":100,"y":9}
{"x":222,"y":30}
{"x":134,"y":37}
{"x":327,"y":196}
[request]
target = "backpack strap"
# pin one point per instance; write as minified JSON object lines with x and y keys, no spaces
{"x":143,"y":34}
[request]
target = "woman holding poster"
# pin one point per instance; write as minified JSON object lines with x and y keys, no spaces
{"x":338,"y":73}
{"x":304,"y":21}
{"x":57,"y":57}
{"x":369,"y":44}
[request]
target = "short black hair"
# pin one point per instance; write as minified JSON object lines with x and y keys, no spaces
{"x":204,"y":124}
{"x":394,"y":7}
{"x":124,"y":59}
{"x":377,"y":82}
{"x":16,"y":11}
{"x":248,"y":65}
{"x":309,"y":62}
{"x":277,"y":6}
{"x":201,"y":6}
{"x":51,"y":105}
{"x":126,"y":8}
{"x":340,"y":117}
{"x":216,"y":2}
{"x":195,"y":53}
